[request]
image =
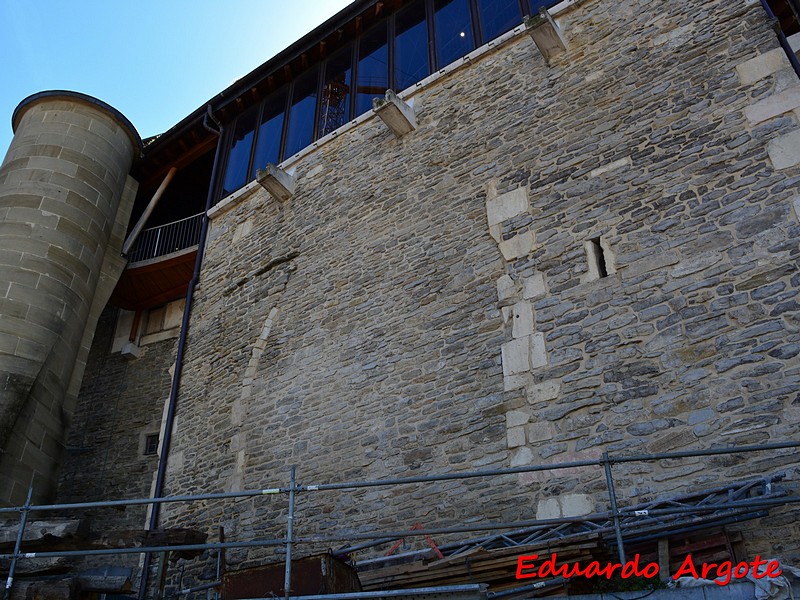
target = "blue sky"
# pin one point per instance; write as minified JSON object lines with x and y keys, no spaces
{"x":155,"y":61}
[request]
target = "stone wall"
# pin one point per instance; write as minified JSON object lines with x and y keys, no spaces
{"x":438,"y":303}
{"x":120,"y":405}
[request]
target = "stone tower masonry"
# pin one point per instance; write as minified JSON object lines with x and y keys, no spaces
{"x":65,"y":199}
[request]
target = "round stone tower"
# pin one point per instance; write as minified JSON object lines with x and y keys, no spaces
{"x":65,"y":199}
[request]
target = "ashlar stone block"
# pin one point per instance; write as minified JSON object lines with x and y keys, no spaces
{"x":516,"y":356}
{"x":506,"y":206}
{"x":773,"y":106}
{"x":762,"y":66}
{"x":784,"y":152}
{"x":522,"y":324}
{"x":533,"y":286}
{"x":518,"y":246}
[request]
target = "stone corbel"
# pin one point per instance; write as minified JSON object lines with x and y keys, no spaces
{"x":546,"y":34}
{"x":398,"y":116}
{"x":276,"y":181}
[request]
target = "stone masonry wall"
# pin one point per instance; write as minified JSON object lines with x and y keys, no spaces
{"x":120,"y":404}
{"x":434,"y":303}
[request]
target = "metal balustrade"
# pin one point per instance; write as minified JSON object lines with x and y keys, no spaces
{"x":167,"y":239}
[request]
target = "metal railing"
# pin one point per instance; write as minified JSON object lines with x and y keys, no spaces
{"x":732,"y":505}
{"x":166,"y":239}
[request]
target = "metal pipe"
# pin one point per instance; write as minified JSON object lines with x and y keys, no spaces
{"x":408,"y":480}
{"x":612,"y":494}
{"x":740,"y":506}
{"x":23,"y":520}
{"x":172,"y":403}
{"x":199,"y":588}
{"x":287,"y":578}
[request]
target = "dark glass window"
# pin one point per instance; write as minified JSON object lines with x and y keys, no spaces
{"x":334,"y":110}
{"x":239,"y":155}
{"x":411,"y":46}
{"x":536,"y":5}
{"x":373,"y":67}
{"x":268,"y":141}
{"x":498,"y":16}
{"x":300,"y":132}
{"x":453,"y":25}
{"x":151,"y":444}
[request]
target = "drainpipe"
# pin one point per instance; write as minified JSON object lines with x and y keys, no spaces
{"x":782,"y":38}
{"x":176,"y":378}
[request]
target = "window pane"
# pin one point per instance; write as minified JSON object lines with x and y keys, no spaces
{"x":239,"y":155}
{"x":453,"y":31}
{"x":498,"y":16}
{"x":301,"y":114}
{"x":268,"y":141}
{"x":411,"y":46}
{"x":335,"y":108}
{"x":536,"y":5}
{"x":373,"y":67}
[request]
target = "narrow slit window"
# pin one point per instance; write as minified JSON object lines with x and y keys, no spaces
{"x":151,"y":444}
{"x":599,"y":258}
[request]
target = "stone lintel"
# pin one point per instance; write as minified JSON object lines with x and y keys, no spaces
{"x":396,"y":114}
{"x":546,"y":34}
{"x":276,"y":181}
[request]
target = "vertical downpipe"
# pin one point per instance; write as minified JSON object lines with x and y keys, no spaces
{"x":176,"y":378}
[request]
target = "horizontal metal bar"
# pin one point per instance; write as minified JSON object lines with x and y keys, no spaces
{"x":410,"y":480}
{"x":144,"y":549}
{"x":471,"y":588}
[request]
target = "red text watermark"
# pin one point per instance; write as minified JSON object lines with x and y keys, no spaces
{"x":721,"y":573}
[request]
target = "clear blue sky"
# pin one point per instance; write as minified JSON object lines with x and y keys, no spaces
{"x":153,"y":60}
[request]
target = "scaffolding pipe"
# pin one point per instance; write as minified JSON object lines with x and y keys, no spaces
{"x":409,"y":480}
{"x":612,"y":494}
{"x":23,"y":520}
{"x":287,"y":578}
{"x":409,"y":533}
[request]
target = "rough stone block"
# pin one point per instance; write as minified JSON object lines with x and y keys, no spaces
{"x":542,"y":392}
{"x":516,"y":418}
{"x":538,"y":432}
{"x":548,"y":508}
{"x":574,"y":505}
{"x":506,"y":288}
{"x":612,"y":166}
{"x":507,"y":206}
{"x":784,"y":152}
{"x":515,"y":437}
{"x":522,"y":457}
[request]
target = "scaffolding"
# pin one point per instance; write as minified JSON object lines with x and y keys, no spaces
{"x":725,"y":504}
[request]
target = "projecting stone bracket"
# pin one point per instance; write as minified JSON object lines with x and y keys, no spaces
{"x":398,"y":116}
{"x":276,"y":181}
{"x":546,"y":34}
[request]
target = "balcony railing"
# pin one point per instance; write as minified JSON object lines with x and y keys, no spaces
{"x":166,"y":239}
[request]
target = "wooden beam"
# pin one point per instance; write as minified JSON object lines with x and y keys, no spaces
{"x":137,"y":229}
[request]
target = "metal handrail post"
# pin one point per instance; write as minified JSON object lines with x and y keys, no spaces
{"x":287,"y":579}
{"x":612,"y":494}
{"x":23,"y":520}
